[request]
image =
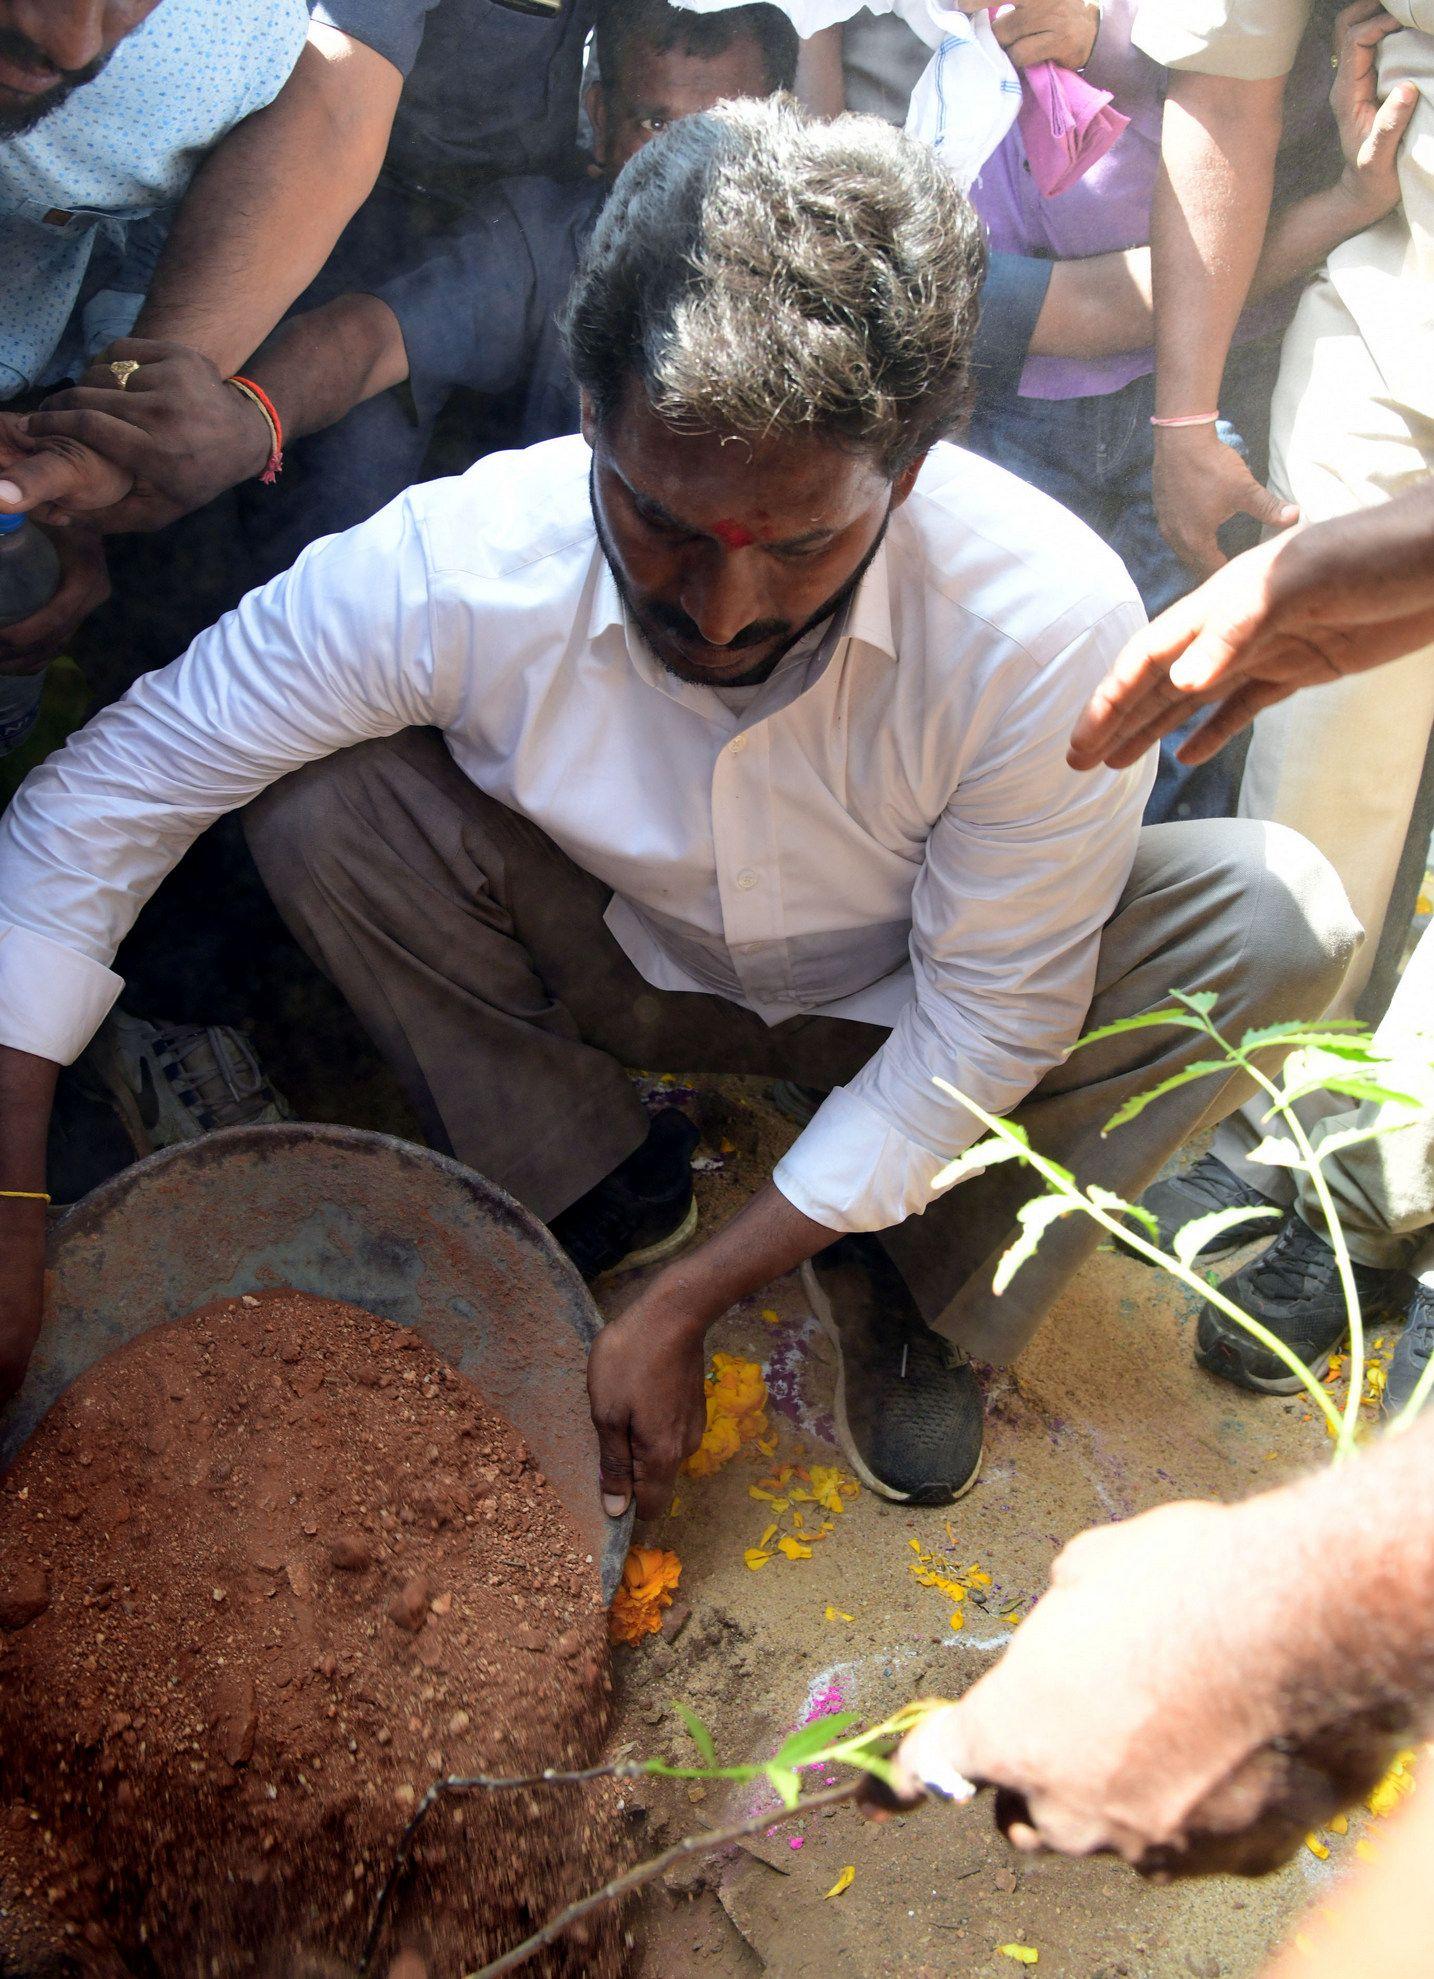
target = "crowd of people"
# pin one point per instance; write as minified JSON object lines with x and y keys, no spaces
{"x":660,"y":559}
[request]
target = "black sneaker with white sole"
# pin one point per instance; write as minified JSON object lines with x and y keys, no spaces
{"x":1293,"y":1289}
{"x":644,"y":1211}
{"x":1411,"y":1356}
{"x":1206,"y":1186}
{"x":908,"y":1406}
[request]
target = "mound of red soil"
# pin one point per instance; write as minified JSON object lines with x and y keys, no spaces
{"x":265,"y":1574}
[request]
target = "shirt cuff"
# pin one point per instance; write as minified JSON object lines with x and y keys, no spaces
{"x":851,"y":1170}
{"x":52,"y":1001}
{"x":1012,"y":298}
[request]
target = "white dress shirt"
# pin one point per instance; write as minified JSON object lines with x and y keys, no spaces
{"x":887,"y":830}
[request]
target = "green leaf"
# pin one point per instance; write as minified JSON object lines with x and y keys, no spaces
{"x":879,"y":1766}
{"x":1145,"y":1020}
{"x":984,"y":1155}
{"x":698,"y":1733}
{"x":1192,"y":1237}
{"x":786,"y":1782}
{"x":1202,"y":1000}
{"x":1335,"y":1034}
{"x":1366,"y":1091}
{"x":1117,"y":1205}
{"x":1277,"y":1151}
{"x":1035,"y":1218}
{"x":814,"y":1738}
{"x":1201,"y":1068}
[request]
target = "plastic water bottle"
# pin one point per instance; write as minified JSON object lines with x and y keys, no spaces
{"x":29,"y":578}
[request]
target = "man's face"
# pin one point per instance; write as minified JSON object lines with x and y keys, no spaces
{"x":657,"y":86}
{"x":49,"y":47}
{"x":726,"y":551}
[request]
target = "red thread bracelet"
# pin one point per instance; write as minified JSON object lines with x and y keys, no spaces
{"x":266,"y":405}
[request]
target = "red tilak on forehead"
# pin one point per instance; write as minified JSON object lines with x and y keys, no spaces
{"x":733,"y":535}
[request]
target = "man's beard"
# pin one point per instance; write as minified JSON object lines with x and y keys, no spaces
{"x":670,"y":618}
{"x":29,"y":111}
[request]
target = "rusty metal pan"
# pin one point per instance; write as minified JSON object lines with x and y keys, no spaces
{"x":402,"y":1231}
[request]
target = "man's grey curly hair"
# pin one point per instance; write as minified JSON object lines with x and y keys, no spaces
{"x":763,"y":273}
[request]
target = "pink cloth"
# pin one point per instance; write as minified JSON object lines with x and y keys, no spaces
{"x":1066,"y":125}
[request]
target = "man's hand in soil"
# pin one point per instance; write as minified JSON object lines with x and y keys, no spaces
{"x":645,"y":1387}
{"x":27,"y":1086}
{"x":33,"y":642}
{"x":646,"y":1367}
{"x":1332,"y":599}
{"x":1194,"y":1692}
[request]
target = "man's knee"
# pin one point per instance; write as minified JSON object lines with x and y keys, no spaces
{"x":1301,"y":919}
{"x":303,"y":821}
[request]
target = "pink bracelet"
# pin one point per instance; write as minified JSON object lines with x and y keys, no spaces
{"x":1186,"y":419}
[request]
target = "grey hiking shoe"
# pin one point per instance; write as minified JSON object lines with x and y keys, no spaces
{"x":1206,"y":1186}
{"x":1411,"y":1356}
{"x":1293,"y":1289}
{"x":908,"y":1407}
{"x":173,"y":1082}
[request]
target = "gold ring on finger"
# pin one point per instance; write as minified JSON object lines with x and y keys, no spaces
{"x":122,"y":369}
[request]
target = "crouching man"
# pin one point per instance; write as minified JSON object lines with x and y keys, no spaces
{"x":729,"y":736}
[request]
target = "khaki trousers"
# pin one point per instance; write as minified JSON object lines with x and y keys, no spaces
{"x":476,"y":955}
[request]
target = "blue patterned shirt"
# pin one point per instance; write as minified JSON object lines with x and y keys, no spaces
{"x":86,"y":195}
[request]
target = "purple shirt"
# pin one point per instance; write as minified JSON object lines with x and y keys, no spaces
{"x":1108,"y":210}
{"x":1105,"y":212}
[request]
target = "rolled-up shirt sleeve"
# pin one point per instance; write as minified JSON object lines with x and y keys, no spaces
{"x":1246,"y":40}
{"x":392,"y":28}
{"x":1022,"y":871}
{"x":335,"y":651}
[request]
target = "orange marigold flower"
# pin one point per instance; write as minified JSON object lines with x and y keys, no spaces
{"x":648,"y":1578}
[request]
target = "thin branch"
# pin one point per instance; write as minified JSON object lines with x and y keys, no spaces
{"x":646,"y":1872}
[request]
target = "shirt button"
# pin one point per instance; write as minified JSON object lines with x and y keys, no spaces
{"x":737,"y":745}
{"x":747,"y":879}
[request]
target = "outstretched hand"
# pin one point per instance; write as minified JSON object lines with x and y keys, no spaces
{"x":1256,"y":632}
{"x":54,"y":480}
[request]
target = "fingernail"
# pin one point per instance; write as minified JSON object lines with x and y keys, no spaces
{"x":9,"y":492}
{"x":613,"y":1505}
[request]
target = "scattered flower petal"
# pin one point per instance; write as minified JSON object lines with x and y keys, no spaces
{"x":838,"y":1614}
{"x":793,"y":1548}
{"x":1022,"y":1954}
{"x":1316,"y":1847}
{"x":755,"y":1557}
{"x":844,"y":1881}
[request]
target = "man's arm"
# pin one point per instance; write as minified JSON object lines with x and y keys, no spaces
{"x":294,"y":674}
{"x":1335,"y":598}
{"x":1212,"y":203}
{"x":1139,"y":1710}
{"x":27,"y":1086}
{"x":267,"y":205}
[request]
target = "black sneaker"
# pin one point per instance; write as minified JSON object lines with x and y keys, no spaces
{"x":1205,"y":1186}
{"x":1293,"y":1289}
{"x":1411,"y":1356}
{"x":641,"y":1213}
{"x":908,"y":1407}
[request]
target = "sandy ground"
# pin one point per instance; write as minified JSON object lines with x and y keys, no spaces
{"x":1106,"y":1414}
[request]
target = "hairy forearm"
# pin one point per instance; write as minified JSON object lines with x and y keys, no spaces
{"x":766,"y":1238}
{"x":1212,"y":202}
{"x":1367,"y":1645}
{"x":27,"y":1091}
{"x":266,"y":207}
{"x":1301,"y":235}
{"x":1365,"y":568}
{"x":318,"y":366}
